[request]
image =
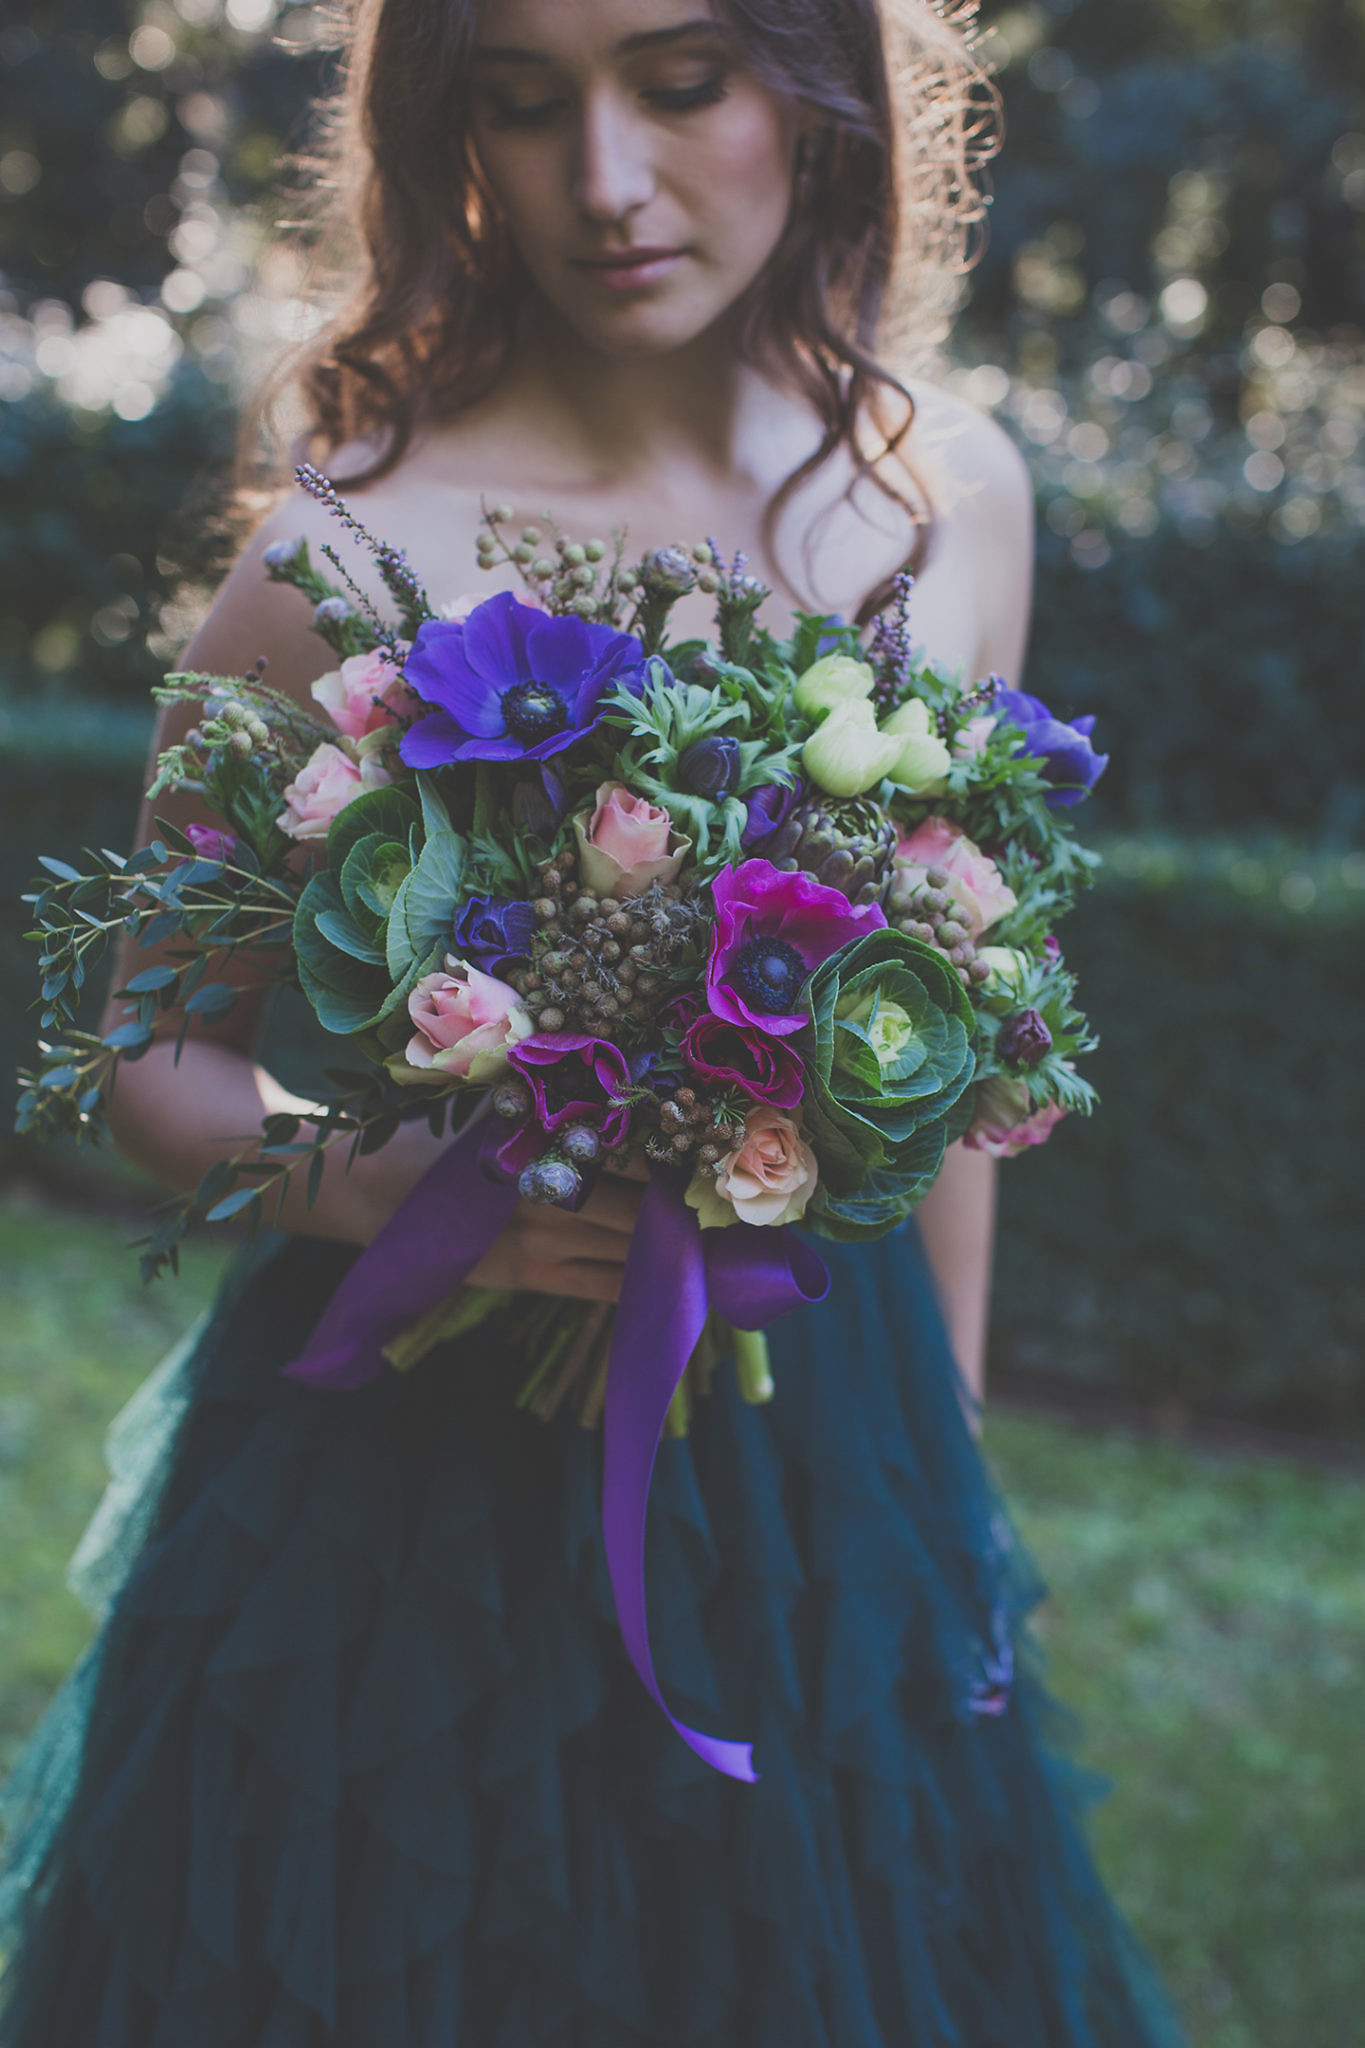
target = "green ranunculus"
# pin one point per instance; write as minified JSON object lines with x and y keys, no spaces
{"x":889,"y":1063}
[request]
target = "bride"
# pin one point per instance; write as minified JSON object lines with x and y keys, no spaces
{"x":357,"y":1760}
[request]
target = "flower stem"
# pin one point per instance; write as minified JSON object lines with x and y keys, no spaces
{"x":753,"y":1365}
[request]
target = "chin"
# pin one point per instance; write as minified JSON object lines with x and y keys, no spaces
{"x":636,"y":330}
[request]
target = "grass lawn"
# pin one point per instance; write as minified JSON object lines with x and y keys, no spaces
{"x":1207,"y":1623}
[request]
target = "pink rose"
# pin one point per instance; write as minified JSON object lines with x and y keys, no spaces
{"x":327,"y":782}
{"x":1002,"y":1123}
{"x":626,"y":844}
{"x":768,"y":1179}
{"x":466,"y":1023}
{"x":366,"y":694}
{"x":972,"y":737}
{"x":974,"y":881}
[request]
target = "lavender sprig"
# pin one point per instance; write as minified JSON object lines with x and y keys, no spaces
{"x":400,"y":579}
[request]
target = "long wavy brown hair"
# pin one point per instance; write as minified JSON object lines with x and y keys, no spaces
{"x":423,"y":284}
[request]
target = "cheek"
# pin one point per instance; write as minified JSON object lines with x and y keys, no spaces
{"x":530,"y":189}
{"x":747,"y":154}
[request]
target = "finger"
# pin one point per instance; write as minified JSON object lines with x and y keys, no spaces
{"x":580,"y":1279}
{"x":631,"y":1168}
{"x":614,"y":1204}
{"x":547,"y":1242}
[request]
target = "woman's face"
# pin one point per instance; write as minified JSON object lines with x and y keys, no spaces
{"x":644,"y":173}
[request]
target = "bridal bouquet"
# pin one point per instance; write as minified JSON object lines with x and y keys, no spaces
{"x":772,"y":918}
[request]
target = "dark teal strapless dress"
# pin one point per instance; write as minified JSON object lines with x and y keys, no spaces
{"x":357,"y":1759}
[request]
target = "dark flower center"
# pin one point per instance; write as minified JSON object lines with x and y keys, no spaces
{"x":768,"y":974}
{"x":533,"y":712}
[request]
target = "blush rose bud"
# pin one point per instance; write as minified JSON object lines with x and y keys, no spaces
{"x":846,"y":755}
{"x":1024,"y":1039}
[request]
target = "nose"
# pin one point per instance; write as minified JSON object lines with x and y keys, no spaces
{"x":615,"y":172}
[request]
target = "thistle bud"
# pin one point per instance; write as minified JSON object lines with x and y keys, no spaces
{"x":925,"y":760}
{"x":710,"y":767}
{"x":333,"y":611}
{"x":574,"y":554}
{"x":836,"y":679}
{"x":513,"y":1101}
{"x":549,"y":1181}
{"x":1024,"y":1039}
{"x":581,"y":1144}
{"x":847,"y":755}
{"x":668,"y":572}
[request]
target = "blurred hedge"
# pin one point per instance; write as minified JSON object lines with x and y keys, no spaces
{"x":1197,"y":1243}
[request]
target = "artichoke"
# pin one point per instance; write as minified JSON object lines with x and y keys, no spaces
{"x":848,"y":845}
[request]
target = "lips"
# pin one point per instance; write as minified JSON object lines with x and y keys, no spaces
{"x":627,"y":259}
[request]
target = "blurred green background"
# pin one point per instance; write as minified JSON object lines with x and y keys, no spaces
{"x":1170,"y":318}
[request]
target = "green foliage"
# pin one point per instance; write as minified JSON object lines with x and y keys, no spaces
{"x":668,"y":717}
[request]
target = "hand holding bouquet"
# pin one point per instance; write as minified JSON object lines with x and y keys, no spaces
{"x":773,"y":918}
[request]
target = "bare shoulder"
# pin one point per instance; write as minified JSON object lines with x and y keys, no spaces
{"x":978,"y":475}
{"x":252,"y":616}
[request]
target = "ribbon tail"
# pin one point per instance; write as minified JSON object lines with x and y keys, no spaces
{"x":429,"y":1245}
{"x":662,"y":1314}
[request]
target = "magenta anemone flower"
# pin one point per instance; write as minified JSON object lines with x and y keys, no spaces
{"x":511,"y":683}
{"x":736,"y":1056}
{"x":576,"y":1080}
{"x":773,"y":930}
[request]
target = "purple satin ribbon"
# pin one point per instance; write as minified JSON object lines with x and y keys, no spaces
{"x":674,"y":1273}
{"x":434,"y":1239}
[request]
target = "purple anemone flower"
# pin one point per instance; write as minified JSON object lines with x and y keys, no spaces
{"x":493,"y":931}
{"x":576,"y":1080}
{"x":1069,"y":760}
{"x":770,"y":805}
{"x":511,"y":683}
{"x":772,"y":931}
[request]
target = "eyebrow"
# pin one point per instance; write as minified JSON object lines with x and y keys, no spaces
{"x":647,"y":39}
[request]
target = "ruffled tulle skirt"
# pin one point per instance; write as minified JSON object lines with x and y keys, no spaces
{"x":357,"y":1759}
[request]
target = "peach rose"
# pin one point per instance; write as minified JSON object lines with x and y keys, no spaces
{"x":626,"y":844}
{"x":1002,"y":1123}
{"x":363,"y":694}
{"x":327,"y":782}
{"x":768,"y":1179}
{"x":974,"y":881}
{"x":466,"y":1021}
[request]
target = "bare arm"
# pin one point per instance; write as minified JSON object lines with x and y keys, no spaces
{"x":175,"y":1118}
{"x":986,"y":549}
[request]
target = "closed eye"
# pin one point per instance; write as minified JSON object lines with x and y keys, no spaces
{"x":681,"y":99}
{"x":667,"y":99}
